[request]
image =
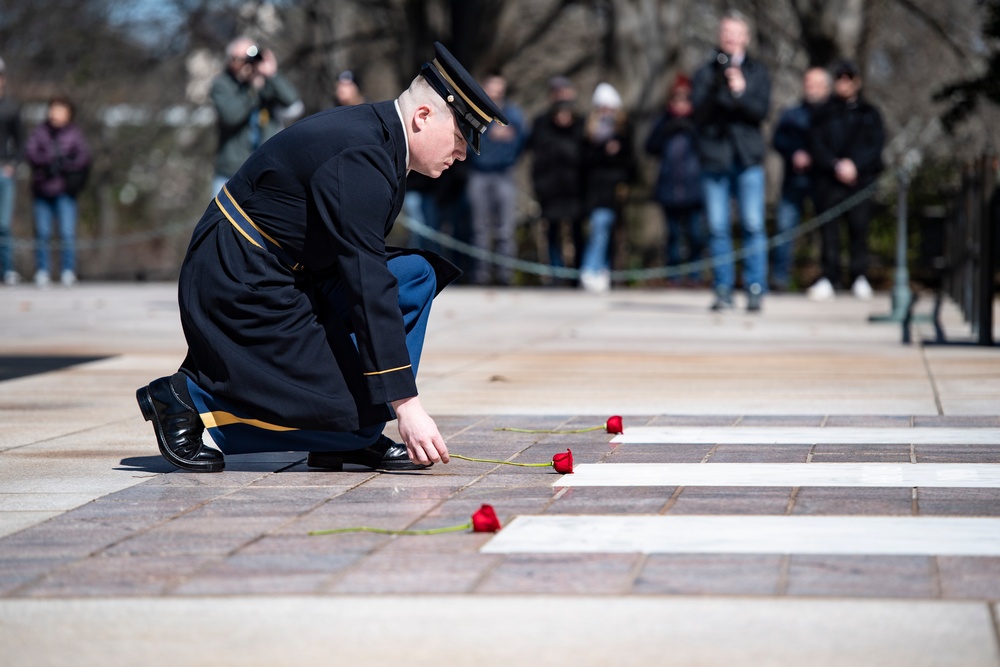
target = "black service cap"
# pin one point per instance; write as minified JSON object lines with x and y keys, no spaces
{"x":472,"y":106}
{"x":845,"y":67}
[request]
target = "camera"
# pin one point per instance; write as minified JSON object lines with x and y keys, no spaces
{"x":254,"y":54}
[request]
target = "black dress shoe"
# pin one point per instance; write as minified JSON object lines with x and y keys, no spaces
{"x":384,"y":454}
{"x":167,"y":403}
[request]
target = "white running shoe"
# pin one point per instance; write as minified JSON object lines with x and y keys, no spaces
{"x":821,"y":290}
{"x":11,"y":278}
{"x":41,"y":279}
{"x":861,"y":289}
{"x":602,"y":283}
{"x":67,"y":278}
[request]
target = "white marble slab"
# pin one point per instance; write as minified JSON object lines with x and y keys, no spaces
{"x":896,"y":536}
{"x":947,"y":475}
{"x":784,"y":435}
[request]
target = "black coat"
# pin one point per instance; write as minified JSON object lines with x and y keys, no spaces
{"x":328,"y":190}
{"x":604,"y":170}
{"x":851,"y":130}
{"x":557,"y":167}
{"x":674,"y":140}
{"x":729,"y":132}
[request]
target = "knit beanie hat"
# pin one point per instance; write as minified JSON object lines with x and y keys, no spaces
{"x":606,"y":96}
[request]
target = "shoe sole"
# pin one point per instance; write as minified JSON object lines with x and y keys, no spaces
{"x":336,"y":463}
{"x":148,"y":410}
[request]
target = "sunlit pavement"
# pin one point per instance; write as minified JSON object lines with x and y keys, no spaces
{"x":110,"y":556}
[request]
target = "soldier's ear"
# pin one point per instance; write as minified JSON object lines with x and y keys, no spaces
{"x":422,"y":116}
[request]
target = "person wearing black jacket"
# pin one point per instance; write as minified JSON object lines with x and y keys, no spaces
{"x":674,"y":140}
{"x":731,"y":94}
{"x":846,"y":141}
{"x":11,"y":148}
{"x":791,"y":140}
{"x":556,"y":144}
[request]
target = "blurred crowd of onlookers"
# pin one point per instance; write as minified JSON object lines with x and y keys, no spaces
{"x":710,"y":148}
{"x":708,"y":143}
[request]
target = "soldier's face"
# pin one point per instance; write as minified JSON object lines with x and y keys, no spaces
{"x":438,"y":144}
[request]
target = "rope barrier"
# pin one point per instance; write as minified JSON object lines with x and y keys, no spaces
{"x":641,"y":275}
{"x":526,"y":266}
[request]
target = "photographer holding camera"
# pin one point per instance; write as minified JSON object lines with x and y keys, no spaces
{"x":250,"y":99}
{"x":731,"y":95}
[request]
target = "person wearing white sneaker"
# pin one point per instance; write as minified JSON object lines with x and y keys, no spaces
{"x":60,"y":161}
{"x":821,"y":290}
{"x":861,"y":289}
{"x":846,"y":140}
{"x":67,"y":278}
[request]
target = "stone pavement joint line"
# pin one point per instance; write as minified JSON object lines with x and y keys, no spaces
{"x":879,"y":475}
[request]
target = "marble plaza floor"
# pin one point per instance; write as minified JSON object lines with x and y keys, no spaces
{"x":793,"y":487}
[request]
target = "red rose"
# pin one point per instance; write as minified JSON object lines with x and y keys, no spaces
{"x":614,"y":425}
{"x":485,"y":520}
{"x":563,"y":462}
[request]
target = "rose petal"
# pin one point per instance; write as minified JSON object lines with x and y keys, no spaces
{"x":563,"y":462}
{"x":485,"y":520}
{"x":614,"y":425}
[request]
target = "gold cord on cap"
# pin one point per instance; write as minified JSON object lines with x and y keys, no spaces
{"x":465,"y":97}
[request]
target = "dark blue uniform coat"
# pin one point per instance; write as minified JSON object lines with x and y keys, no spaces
{"x":261,"y":334}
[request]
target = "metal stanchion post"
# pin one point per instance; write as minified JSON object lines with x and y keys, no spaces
{"x":901,"y":293}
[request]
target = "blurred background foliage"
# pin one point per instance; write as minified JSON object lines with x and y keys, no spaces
{"x":139,"y":72}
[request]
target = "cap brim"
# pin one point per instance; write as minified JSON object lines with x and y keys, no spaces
{"x":471,"y":134}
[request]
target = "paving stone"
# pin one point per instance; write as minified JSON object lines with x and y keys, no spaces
{"x":731,"y":500}
{"x":862,"y":576}
{"x":962,"y":421}
{"x":853,"y":501}
{"x":415,"y":571}
{"x":957,"y":453}
{"x":694,"y":420}
{"x":266,"y":574}
{"x":861,"y":453}
{"x":958,"y":502}
{"x":592,"y":574}
{"x":871,"y":421}
{"x":196,"y":536}
{"x":119,"y":576}
{"x":709,"y":574}
{"x":760,"y":454}
{"x":781,"y":420}
{"x":610,"y":500}
{"x":641,"y":453}
{"x":969,"y":578}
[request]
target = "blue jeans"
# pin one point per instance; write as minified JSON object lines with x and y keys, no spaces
{"x":62,"y":208}
{"x":787,"y":217}
{"x":417,"y":286}
{"x":8,"y":188}
{"x":422,"y":208}
{"x":595,"y":255}
{"x":746,"y":185}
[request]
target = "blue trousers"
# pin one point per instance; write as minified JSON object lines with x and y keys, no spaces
{"x":62,"y":208}
{"x":746,"y":185}
{"x":8,"y":189}
{"x":236,"y":432}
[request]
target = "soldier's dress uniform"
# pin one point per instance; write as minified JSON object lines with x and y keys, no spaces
{"x":302,"y":325}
